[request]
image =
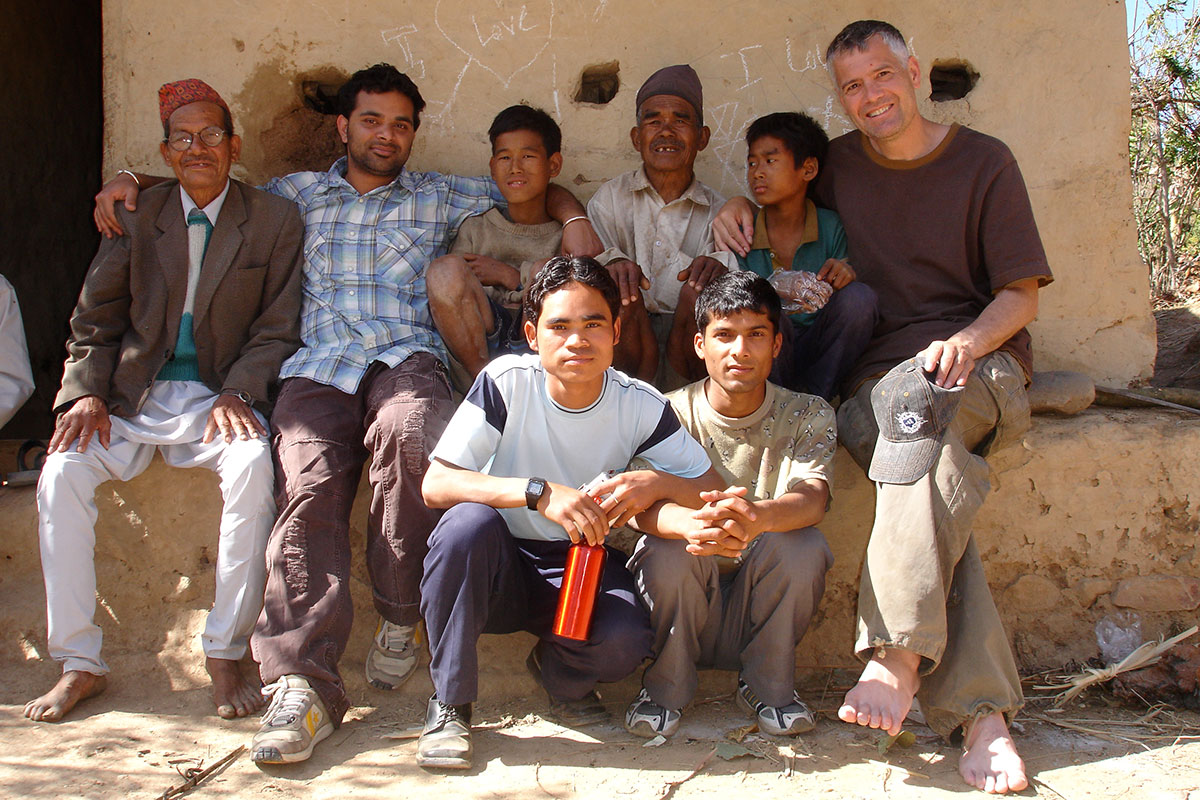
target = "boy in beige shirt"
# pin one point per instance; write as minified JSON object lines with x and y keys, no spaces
{"x":498,"y":252}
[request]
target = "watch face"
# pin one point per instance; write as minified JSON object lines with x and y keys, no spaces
{"x":533,"y":492}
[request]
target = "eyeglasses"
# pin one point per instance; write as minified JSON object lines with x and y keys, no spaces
{"x":181,"y":140}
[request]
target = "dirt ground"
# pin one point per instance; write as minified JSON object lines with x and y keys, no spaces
{"x":134,"y":740}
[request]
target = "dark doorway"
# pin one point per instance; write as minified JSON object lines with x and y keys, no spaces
{"x":52,"y":122}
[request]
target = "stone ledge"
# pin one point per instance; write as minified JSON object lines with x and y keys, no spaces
{"x":1087,"y":515}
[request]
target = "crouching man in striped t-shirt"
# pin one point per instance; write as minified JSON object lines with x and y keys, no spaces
{"x":531,"y":430}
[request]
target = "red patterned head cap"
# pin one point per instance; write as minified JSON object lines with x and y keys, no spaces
{"x":177,"y":94}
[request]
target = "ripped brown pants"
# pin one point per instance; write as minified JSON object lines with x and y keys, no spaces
{"x":322,"y":438}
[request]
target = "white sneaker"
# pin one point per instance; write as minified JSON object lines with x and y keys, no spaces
{"x":293,"y":723}
{"x":394,"y":655}
{"x":777,"y":721}
{"x":647,"y":718}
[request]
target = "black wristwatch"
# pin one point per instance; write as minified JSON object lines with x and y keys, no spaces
{"x":533,"y":492}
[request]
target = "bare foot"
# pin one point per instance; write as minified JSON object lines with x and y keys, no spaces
{"x":989,"y":760}
{"x":233,"y":696}
{"x":73,"y":687}
{"x":884,"y":692}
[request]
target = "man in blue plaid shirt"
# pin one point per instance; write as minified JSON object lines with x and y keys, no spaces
{"x":368,"y":381}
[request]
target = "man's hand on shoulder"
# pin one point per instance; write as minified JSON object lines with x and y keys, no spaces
{"x":629,"y":278}
{"x":837,"y":273}
{"x":491,"y":272}
{"x":733,"y":227}
{"x":86,"y":417}
{"x":578,"y":514}
{"x":702,"y":271}
{"x":232,"y":418}
{"x":580,"y":239}
{"x":122,"y":188}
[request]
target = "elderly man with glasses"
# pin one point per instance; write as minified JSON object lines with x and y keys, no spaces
{"x":175,"y":345}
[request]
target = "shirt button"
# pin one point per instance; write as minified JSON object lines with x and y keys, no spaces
{"x":351,"y":293}
{"x":658,"y":244}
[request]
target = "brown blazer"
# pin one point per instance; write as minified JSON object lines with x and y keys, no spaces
{"x":246,"y":314}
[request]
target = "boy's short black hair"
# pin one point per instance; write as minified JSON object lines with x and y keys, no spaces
{"x":737,"y":291}
{"x":561,"y":270}
{"x":379,"y":79}
{"x":801,"y":135}
{"x":527,"y":118}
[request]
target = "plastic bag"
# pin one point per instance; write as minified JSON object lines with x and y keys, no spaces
{"x":1118,"y":635}
{"x":800,"y":291}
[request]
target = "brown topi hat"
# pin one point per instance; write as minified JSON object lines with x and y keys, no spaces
{"x":679,"y":80}
{"x":175,"y":95}
{"x":913,"y":414}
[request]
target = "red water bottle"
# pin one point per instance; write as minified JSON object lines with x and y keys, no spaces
{"x":580,"y":586}
{"x":581,"y":580}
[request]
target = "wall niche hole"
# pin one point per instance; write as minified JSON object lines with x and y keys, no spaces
{"x":598,"y":84}
{"x":951,"y":79}
{"x":320,"y":97}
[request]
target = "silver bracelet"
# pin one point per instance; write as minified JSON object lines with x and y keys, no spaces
{"x":574,"y":219}
{"x":130,"y":174}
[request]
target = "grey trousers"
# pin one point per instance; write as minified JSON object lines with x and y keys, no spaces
{"x":923,"y":587}
{"x":749,"y":620}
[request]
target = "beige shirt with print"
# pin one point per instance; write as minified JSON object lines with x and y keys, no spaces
{"x":792,"y":437}
{"x":633,"y":222}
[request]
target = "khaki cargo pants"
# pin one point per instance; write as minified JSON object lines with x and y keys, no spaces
{"x":923,"y":587}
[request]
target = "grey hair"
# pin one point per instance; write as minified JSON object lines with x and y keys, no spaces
{"x":857,"y":35}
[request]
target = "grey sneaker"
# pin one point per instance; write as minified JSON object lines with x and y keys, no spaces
{"x":777,"y":721}
{"x":394,"y":655}
{"x":446,"y":741}
{"x":293,"y":723}
{"x":647,"y":718}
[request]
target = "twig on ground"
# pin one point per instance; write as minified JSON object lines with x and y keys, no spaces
{"x":670,"y":788}
{"x":1042,"y":782}
{"x":825,"y":689}
{"x":1112,"y":737}
{"x":537,"y":777}
{"x":196,"y":776}
{"x":911,"y":772}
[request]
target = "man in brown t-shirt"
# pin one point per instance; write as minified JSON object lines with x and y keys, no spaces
{"x":940,"y":226}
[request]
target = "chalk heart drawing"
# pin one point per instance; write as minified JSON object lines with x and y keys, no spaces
{"x":502,"y":36}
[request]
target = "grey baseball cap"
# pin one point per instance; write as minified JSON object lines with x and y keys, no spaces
{"x":912,"y":413}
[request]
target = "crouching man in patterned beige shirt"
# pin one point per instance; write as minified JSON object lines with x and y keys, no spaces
{"x":734,"y":582}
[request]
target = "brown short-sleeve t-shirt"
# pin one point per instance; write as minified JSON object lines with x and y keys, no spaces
{"x":935,"y":238}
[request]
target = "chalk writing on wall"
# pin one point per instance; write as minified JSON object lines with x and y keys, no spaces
{"x":755,"y":84}
{"x":503,"y":37}
{"x":415,"y":68}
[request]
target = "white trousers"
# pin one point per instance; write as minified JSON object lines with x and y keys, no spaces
{"x":172,"y":422}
